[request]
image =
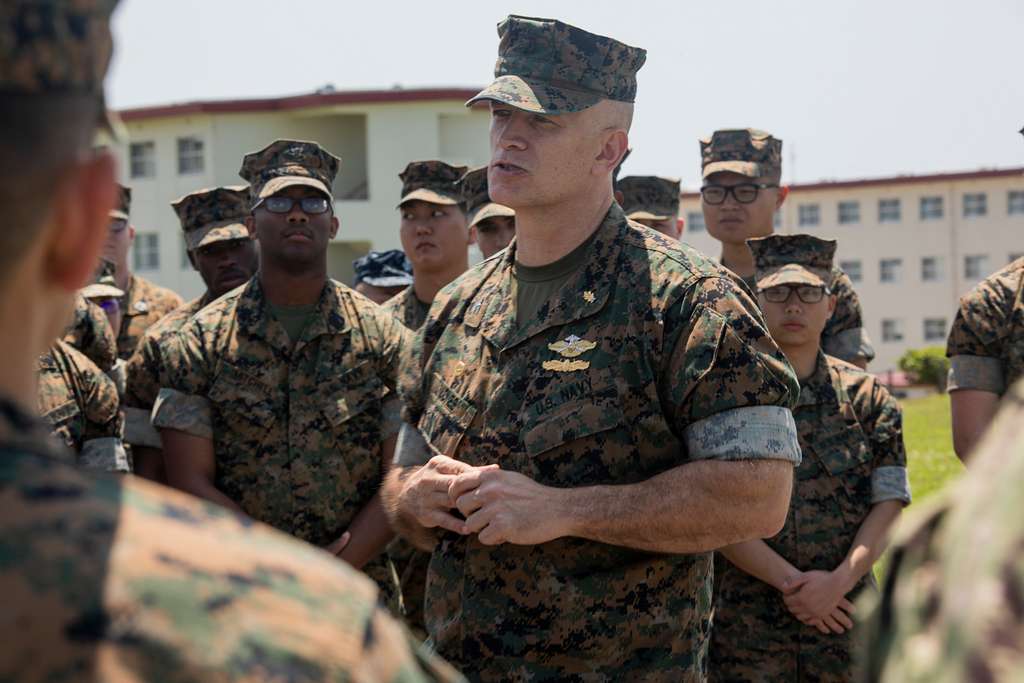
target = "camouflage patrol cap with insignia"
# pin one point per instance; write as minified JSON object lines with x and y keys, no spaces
{"x":792,"y":260}
{"x":747,"y":151}
{"x":213,"y":215}
{"x":476,"y":200}
{"x":549,"y":67}
{"x":288,"y":163}
{"x":124,"y":203}
{"x":103,"y":285}
{"x":431,"y":181}
{"x":649,"y":197}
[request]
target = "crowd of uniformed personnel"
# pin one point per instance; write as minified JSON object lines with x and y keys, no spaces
{"x":597,"y":455}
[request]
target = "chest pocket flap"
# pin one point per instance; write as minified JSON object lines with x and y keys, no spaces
{"x":842,"y":449}
{"x":571,"y":421}
{"x":239,"y":394}
{"x":351,"y":394}
{"x":446,"y":418}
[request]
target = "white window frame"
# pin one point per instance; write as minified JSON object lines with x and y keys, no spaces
{"x":142,"y":165}
{"x":854,"y":269}
{"x":1015,"y":202}
{"x":191,"y":155}
{"x":934,"y":329}
{"x":931,"y":208}
{"x":852,"y":213}
{"x":975,"y":205}
{"x":808,"y":215}
{"x":937,"y":274}
{"x":978,"y":263}
{"x":890,"y":210}
{"x":892,"y":330}
{"x":897,"y":273}
{"x":697,"y":225}
{"x":146,"y":251}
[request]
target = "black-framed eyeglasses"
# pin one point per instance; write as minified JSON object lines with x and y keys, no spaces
{"x":117,"y":226}
{"x":809,"y":294}
{"x":744,"y":193}
{"x":309,"y":205}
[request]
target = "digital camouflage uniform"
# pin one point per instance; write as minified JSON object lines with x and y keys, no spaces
{"x":90,"y":333}
{"x":951,"y":606}
{"x":297,"y":429}
{"x":758,"y":154}
{"x":206,"y":217}
{"x":986,"y":342}
{"x":407,"y":308}
{"x":649,"y":197}
{"x":81,"y":404}
{"x":476,"y":200}
{"x":851,"y":437}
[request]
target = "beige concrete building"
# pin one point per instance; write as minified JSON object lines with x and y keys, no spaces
{"x":911,"y":244}
{"x":176,"y":149}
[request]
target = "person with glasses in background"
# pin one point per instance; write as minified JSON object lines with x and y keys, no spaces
{"x":280,"y":400}
{"x":783,"y":606}
{"x":742,"y":170}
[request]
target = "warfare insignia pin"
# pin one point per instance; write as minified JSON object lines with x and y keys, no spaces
{"x":572,"y":346}
{"x":566,"y":365}
{"x":589,"y":297}
{"x":141,"y":306}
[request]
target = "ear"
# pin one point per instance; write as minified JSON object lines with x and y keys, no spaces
{"x":832,"y":299}
{"x":783,"y":193}
{"x":131,"y":234}
{"x":680,"y":224}
{"x":614,"y":146}
{"x":80,"y":213}
{"x":472,"y":235}
{"x":335,"y":224}
{"x":250,"y":226}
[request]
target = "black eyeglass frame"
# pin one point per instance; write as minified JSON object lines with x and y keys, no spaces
{"x":731,"y":190}
{"x":791,"y":289}
{"x":301,"y":201}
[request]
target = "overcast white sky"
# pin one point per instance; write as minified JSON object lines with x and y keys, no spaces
{"x":854,"y":88}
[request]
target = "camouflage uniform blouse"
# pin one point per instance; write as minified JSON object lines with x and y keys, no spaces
{"x":297,"y":432}
{"x":853,"y":458}
{"x":117,"y":579}
{"x":407,"y":308}
{"x":143,"y":304}
{"x":81,"y":404}
{"x":986,"y":343}
{"x":651,"y":358}
{"x":90,"y":333}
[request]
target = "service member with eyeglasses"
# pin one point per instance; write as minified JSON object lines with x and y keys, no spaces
{"x":783,"y":606}
{"x":742,"y":170}
{"x":280,"y":400}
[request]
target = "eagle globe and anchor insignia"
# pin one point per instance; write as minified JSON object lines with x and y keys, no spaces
{"x":569,"y":348}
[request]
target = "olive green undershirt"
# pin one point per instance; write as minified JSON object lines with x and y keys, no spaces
{"x":293,"y":318}
{"x":536,"y":285}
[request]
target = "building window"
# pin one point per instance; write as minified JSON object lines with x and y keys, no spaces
{"x":931,"y":208}
{"x":695,"y":221}
{"x":146,"y":251}
{"x":975,"y":267}
{"x":808,"y":214}
{"x":888,"y":211}
{"x":1015,"y":202}
{"x":190,"y":155}
{"x":975,"y":205}
{"x":892,"y":330}
{"x":849,"y":212}
{"x":890,"y":269}
{"x":142,"y":159}
{"x":931,"y":269}
{"x":852,"y":269}
{"x":934,"y":329}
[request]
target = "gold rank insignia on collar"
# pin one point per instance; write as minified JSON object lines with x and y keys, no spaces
{"x":572,"y":346}
{"x":589,"y":297}
{"x":566,"y":365}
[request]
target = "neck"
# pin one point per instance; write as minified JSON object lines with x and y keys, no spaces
{"x":804,"y":359}
{"x":738,"y":259}
{"x":545,"y":234}
{"x":426,"y":285}
{"x":293,"y":289}
{"x":122,"y":275}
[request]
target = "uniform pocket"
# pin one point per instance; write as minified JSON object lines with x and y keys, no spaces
{"x":236,"y":395}
{"x":570,"y":422}
{"x":353,"y":393}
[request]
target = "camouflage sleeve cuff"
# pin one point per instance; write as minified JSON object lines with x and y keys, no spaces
{"x":748,"y":433}
{"x":391,"y":417}
{"x":412,"y":449}
{"x":183,"y":412}
{"x":139,"y":430}
{"x":890,"y":483}
{"x":119,"y":375}
{"x":849,"y":345}
{"x":104,"y":455}
{"x":980,"y":373}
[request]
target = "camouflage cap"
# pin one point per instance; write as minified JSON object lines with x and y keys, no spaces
{"x":103,"y":285}
{"x":213,"y":215}
{"x":650,"y":197}
{"x":50,"y":47}
{"x":477,"y":201}
{"x":747,"y":151}
{"x":431,"y":181}
{"x":124,"y":203}
{"x":383,"y":269}
{"x":286,"y":163}
{"x":548,"y":67}
{"x":792,"y":260}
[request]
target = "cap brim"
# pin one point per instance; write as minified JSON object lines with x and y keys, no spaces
{"x":389,"y":281}
{"x":745,"y":168}
{"x":490,"y":210}
{"x":98,"y":291}
{"x":790,"y":274}
{"x":646,"y":216}
{"x":425,"y":195}
{"x":277,"y":184}
{"x":118,"y":215}
{"x":536,"y":97}
{"x":215,"y":233}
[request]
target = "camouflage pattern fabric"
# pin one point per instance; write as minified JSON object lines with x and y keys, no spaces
{"x":649,"y":197}
{"x":650,"y":358}
{"x":143,"y":305}
{"x":287,"y":163}
{"x":950,"y":607}
{"x":214,"y":215}
{"x":90,"y":333}
{"x":548,"y":67}
{"x":431,"y":181}
{"x":383,"y":269}
{"x":297,"y":429}
{"x":103,"y":284}
{"x":118,"y":579}
{"x":123,"y":209}
{"x":476,"y":199}
{"x":407,"y":308}
{"x":81,"y":403}
{"x":852,"y":441}
{"x":986,"y":342}
{"x":747,"y":151}
{"x":792,"y":260}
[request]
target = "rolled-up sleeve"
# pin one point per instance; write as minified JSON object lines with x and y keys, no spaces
{"x":182,"y":404}
{"x":104,"y":455}
{"x":890,"y":482}
{"x":884,"y":427}
{"x":981,"y":373}
{"x":750,"y":433}
{"x":183,"y":412}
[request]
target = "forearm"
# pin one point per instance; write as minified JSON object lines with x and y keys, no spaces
{"x":148,"y":463}
{"x":761,"y":562}
{"x":370,"y":533}
{"x":693,"y":508}
{"x":201,"y":488}
{"x":401,"y":522}
{"x":869,"y":544}
{"x":190,"y":465}
{"x":972,"y":411}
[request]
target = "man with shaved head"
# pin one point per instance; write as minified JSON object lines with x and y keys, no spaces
{"x":590,"y":412}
